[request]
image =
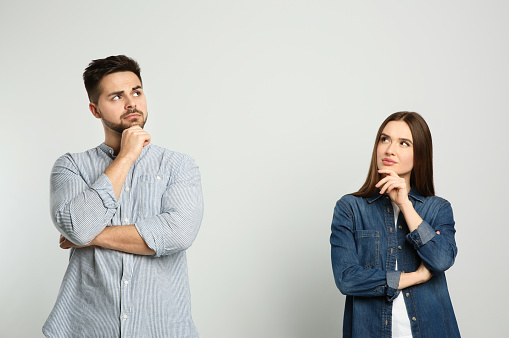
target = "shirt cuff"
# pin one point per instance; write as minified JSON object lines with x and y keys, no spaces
{"x":422,"y":235}
{"x":105,"y":191}
{"x":149,"y":231}
{"x":392,"y":284}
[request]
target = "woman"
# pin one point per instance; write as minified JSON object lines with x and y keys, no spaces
{"x":393,"y":239}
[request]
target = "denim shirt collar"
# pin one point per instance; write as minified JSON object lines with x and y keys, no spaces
{"x":413,"y":193}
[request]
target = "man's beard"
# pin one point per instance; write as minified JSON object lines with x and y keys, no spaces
{"x":123,"y":125}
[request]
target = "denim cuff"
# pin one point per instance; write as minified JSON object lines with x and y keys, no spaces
{"x":105,"y":191}
{"x":422,"y":235}
{"x":392,"y":284}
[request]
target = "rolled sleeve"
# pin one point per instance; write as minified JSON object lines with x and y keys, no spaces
{"x":393,"y":278}
{"x":351,"y":277}
{"x":79,"y":211}
{"x":422,"y":235}
{"x":437,"y":251}
{"x":176,"y":227}
{"x":104,"y":189}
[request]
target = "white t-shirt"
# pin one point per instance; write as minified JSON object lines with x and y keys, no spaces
{"x":400,"y":321}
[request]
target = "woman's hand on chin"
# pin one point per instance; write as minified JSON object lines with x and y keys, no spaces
{"x":394,"y":186}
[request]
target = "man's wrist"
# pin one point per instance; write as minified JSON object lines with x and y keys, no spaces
{"x":125,"y":159}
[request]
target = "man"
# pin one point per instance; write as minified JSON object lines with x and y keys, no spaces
{"x":128,"y":210}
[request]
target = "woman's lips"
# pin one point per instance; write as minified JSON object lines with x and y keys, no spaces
{"x":388,"y":161}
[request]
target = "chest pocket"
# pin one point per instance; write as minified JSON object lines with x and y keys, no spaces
{"x":150,"y":192}
{"x":368,"y":247}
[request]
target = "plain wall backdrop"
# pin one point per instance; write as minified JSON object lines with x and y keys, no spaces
{"x":279,"y":102}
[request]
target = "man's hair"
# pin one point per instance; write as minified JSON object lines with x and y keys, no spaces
{"x":98,"y":69}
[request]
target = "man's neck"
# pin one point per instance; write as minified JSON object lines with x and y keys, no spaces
{"x":113,"y":140}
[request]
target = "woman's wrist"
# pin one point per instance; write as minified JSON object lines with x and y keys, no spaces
{"x":405,"y":206}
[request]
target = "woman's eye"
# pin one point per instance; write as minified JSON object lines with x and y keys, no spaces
{"x":405,"y":144}
{"x":384,"y":139}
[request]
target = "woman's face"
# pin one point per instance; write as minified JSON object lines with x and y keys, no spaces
{"x":395,"y":150}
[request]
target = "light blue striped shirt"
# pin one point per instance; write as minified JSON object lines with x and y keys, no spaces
{"x":108,"y":293}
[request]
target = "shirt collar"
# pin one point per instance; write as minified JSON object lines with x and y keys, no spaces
{"x":413,"y":193}
{"x":109,"y":151}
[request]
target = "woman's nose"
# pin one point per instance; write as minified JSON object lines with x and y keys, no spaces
{"x":389,"y":149}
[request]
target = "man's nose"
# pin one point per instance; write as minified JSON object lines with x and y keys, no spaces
{"x":129,"y":103}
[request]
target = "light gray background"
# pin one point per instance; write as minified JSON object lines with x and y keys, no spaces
{"x":279,"y":102}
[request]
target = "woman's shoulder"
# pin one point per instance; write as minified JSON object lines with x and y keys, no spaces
{"x":351,"y":201}
{"x":435,"y":202}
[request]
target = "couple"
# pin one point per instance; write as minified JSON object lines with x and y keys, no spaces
{"x":128,"y":210}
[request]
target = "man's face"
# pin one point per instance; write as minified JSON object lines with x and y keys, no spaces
{"x":122,"y":103}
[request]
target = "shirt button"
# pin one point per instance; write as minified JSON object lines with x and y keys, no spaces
{"x":127,"y":188}
{"x":126,"y":220}
{"x":414,"y":319}
{"x":399,"y":247}
{"x":407,"y":294}
{"x":126,"y":282}
{"x":125,"y":316}
{"x":158,"y":177}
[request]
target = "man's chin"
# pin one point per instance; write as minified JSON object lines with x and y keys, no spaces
{"x":140,"y":124}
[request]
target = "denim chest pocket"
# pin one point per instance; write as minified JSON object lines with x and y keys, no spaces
{"x":368,"y":247}
{"x":150,"y":192}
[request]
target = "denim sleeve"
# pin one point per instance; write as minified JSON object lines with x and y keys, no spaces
{"x":80,"y":212}
{"x":176,"y":227}
{"x":437,"y":251}
{"x":350,"y":276}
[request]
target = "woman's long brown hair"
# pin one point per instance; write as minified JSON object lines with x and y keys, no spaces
{"x":422,"y":173}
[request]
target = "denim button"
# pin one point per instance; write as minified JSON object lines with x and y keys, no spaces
{"x":407,"y":294}
{"x":414,"y":319}
{"x":399,"y":247}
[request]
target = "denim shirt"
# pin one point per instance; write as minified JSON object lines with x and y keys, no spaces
{"x":364,"y":248}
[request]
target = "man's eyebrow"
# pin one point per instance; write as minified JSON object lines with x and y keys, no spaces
{"x":116,"y":93}
{"x":137,"y":87}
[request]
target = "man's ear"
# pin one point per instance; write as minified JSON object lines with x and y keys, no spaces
{"x":93,"y":108}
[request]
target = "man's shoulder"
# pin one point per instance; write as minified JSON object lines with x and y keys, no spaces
{"x":73,"y":157}
{"x":167,"y":154}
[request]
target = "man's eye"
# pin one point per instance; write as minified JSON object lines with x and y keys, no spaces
{"x":137,"y":94}
{"x":115,"y":98}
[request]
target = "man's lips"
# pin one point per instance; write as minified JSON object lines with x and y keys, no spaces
{"x":132,"y":116}
{"x":388,"y":161}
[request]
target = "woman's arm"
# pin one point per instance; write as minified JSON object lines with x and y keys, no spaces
{"x":434,"y":242}
{"x":421,"y":275}
{"x":351,"y":277}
